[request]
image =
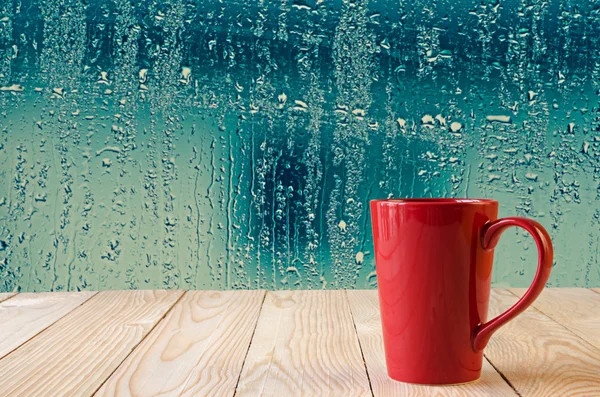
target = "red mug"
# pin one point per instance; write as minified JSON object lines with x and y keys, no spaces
{"x":434,"y":270}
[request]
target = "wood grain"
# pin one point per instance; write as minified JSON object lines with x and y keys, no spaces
{"x":76,"y":354}
{"x":198,"y":349}
{"x":27,"y":314}
{"x":305,"y":344}
{"x":5,"y":295}
{"x":540,"y":357}
{"x":576,"y":308}
{"x":365,"y":310}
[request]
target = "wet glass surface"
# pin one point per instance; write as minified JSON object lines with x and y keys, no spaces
{"x":229,"y":144}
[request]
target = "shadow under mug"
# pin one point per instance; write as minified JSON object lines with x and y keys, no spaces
{"x":434,"y":269}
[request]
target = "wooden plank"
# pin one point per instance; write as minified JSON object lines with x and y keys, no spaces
{"x":576,"y":308}
{"x":197,"y":350}
{"x":5,"y":295}
{"x":365,"y":309}
{"x":76,"y":354}
{"x":540,"y":357}
{"x":305,"y":344}
{"x":28,"y":314}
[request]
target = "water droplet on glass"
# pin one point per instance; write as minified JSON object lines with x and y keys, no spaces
{"x":499,"y":119}
{"x":13,"y":88}
{"x":427,"y":121}
{"x":455,"y":126}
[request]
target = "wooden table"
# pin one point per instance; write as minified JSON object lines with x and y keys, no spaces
{"x":249,"y":343}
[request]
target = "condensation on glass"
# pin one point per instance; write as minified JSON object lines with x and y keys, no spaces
{"x":236,"y":144}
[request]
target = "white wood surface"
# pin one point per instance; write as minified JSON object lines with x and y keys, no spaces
{"x":575,"y":308}
{"x":198,"y":349}
{"x":159,"y":343}
{"x":5,"y":295}
{"x":26,"y":315}
{"x":304,"y":345}
{"x":78,"y":353}
{"x":541,"y":357}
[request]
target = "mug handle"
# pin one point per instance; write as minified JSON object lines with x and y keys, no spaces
{"x":490,"y":235}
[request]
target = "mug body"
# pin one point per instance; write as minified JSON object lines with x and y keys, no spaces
{"x":434,"y":284}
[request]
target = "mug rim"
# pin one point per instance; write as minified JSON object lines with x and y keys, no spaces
{"x":434,"y":201}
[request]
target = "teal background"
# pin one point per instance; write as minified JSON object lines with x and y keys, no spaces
{"x":228,"y":144}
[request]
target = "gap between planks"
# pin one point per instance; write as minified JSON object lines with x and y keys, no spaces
{"x":6,"y":295}
{"x":508,"y":382}
{"x":360,"y":345}
{"x":237,"y":383}
{"x":137,"y":345}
